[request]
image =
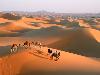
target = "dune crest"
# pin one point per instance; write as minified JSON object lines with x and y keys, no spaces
{"x":37,"y":62}
{"x":95,"y":33}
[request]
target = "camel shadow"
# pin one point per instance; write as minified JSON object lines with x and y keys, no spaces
{"x":39,"y":54}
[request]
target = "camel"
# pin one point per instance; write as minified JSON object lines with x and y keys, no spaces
{"x":26,"y":44}
{"x":49,"y":51}
{"x":32,"y":43}
{"x":56,"y":55}
{"x":40,"y":45}
{"x":14,"y":48}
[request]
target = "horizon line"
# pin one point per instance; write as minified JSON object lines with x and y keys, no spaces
{"x":50,"y":11}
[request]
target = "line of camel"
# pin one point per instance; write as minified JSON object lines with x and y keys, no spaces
{"x":26,"y":44}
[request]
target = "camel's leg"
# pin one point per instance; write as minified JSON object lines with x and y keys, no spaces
{"x":51,"y":57}
{"x":34,"y":46}
{"x":25,"y":46}
{"x":11,"y":50}
{"x":56,"y":58}
{"x":15,"y":50}
{"x":40,"y":46}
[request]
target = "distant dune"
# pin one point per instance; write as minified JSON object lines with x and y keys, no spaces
{"x":16,"y":28}
{"x":97,"y":27}
{"x":10,"y":16}
{"x":27,"y":20}
{"x":2,"y":20}
{"x":95,"y":33}
{"x":54,"y":31}
{"x":82,"y":23}
{"x":7,"y":29}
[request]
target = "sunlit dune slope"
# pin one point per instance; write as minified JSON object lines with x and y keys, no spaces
{"x":28,"y":20}
{"x":16,"y":26}
{"x":11,"y":27}
{"x":2,"y":20}
{"x":30,"y":63}
{"x":95,"y":33}
{"x":97,"y":26}
{"x":82,"y":23}
{"x":21,"y":25}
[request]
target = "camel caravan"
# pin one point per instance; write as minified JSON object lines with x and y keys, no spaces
{"x":53,"y":54}
{"x":26,"y":45}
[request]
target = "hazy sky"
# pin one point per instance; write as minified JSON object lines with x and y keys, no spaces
{"x":67,"y":6}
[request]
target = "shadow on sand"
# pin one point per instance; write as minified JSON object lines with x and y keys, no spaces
{"x":4,"y":50}
{"x":39,"y":55}
{"x":31,"y":72}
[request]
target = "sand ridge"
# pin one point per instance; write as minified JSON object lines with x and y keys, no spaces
{"x":36,"y":62}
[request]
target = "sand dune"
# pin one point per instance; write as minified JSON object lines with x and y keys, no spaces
{"x":35,"y":63}
{"x":82,"y":23}
{"x":96,"y":27}
{"x":84,"y":41}
{"x":79,"y":41}
{"x":27,"y":20}
{"x":16,"y":26}
{"x":95,"y":33}
{"x":2,"y":20}
{"x":49,"y":31}
{"x":20,"y":26}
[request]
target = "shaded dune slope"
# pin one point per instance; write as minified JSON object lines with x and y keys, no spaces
{"x":46,"y":35}
{"x":80,"y":42}
{"x":45,"y":32}
{"x":12,"y":29}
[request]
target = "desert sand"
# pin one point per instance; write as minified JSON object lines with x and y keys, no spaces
{"x":95,"y":33}
{"x":78,"y":46}
{"x":28,"y":61}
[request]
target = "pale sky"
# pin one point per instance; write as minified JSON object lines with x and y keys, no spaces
{"x":64,"y":6}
